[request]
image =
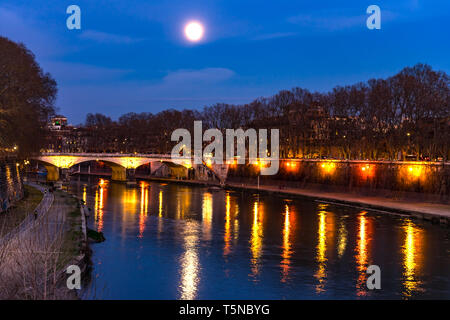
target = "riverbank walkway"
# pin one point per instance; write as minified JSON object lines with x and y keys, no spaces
{"x":30,"y":220}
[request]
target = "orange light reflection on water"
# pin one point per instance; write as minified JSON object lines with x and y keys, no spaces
{"x":227,"y":233}
{"x":362,"y":255}
{"x":160,"y":213}
{"x":144,"y":209}
{"x":325,"y":236}
{"x":412,"y":258}
{"x":207,"y":212}
{"x":256,"y":237}
{"x":99,"y":204}
{"x":342,"y":238}
{"x":289,"y":225}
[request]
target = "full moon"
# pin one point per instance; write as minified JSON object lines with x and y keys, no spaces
{"x":193,"y":31}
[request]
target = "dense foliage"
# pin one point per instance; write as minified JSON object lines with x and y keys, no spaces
{"x":27,"y":95}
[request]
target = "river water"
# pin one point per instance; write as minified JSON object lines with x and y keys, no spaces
{"x":169,"y":241}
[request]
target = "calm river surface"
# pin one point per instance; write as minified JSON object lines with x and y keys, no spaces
{"x":168,"y":241}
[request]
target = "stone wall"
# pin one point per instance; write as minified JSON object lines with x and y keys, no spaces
{"x":430,"y":179}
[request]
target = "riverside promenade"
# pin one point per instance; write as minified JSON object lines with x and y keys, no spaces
{"x":29,"y":221}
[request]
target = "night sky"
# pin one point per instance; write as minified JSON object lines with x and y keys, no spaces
{"x":132,"y":56}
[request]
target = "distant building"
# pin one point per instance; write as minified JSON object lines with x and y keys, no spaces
{"x":57,"y":123}
{"x":63,"y":137}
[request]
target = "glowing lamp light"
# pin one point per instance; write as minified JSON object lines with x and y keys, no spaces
{"x":367,"y":171}
{"x":328,"y":167}
{"x":259,"y":163}
{"x":187,"y":164}
{"x":291,"y":165}
{"x":415,"y":171}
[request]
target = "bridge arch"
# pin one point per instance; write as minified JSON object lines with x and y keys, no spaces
{"x":119,"y":164}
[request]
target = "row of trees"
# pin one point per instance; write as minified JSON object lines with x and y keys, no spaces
{"x":406,"y":114}
{"x":27,"y":96}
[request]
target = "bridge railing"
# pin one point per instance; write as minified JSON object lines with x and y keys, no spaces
{"x":100,"y":155}
{"x":169,"y":156}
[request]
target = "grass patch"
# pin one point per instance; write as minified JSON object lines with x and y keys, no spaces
{"x":22,"y":208}
{"x":73,"y":236}
{"x":75,"y":213}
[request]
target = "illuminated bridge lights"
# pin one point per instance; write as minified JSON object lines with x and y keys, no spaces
{"x":64,"y":162}
{"x":187,"y":164}
{"x":130,"y":162}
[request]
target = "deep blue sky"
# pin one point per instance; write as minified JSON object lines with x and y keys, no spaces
{"x":131,"y":55}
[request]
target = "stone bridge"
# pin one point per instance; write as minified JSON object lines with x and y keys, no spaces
{"x":122,"y":165}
